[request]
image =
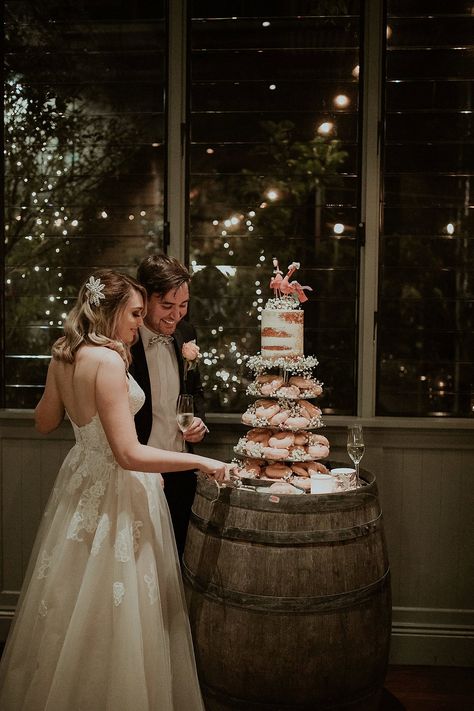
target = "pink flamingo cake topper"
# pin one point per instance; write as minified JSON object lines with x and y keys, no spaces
{"x":282,"y":286}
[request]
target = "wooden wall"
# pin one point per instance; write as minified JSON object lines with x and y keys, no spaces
{"x":425,"y":476}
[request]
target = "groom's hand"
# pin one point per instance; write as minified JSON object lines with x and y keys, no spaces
{"x":195,"y":433}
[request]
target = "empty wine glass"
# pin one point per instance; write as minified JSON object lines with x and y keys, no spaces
{"x":355,"y":447}
{"x":184,"y":414}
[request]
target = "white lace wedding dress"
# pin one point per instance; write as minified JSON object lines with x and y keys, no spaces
{"x":101,"y":624}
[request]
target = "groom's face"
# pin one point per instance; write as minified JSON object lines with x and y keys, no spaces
{"x":165,"y":312}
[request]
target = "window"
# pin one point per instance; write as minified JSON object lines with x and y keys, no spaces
{"x":84,"y":162}
{"x":426,"y":306}
{"x":273,"y":172}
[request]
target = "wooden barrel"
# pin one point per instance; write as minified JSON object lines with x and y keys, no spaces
{"x":289,"y":599}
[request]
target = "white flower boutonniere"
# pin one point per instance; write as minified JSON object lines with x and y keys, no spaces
{"x":191,"y":354}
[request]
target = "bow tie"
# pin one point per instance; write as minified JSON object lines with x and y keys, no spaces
{"x":159,"y":338}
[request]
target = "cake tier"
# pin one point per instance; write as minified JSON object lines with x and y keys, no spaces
{"x":283,"y":413}
{"x":282,"y":333}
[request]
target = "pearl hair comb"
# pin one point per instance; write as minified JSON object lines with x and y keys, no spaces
{"x":95,"y":288}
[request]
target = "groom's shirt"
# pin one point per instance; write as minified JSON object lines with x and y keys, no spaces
{"x":164,"y":383}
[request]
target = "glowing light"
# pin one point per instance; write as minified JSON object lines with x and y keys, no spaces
{"x":325,"y":128}
{"x":272,"y":87}
{"x":338,"y":228}
{"x":131,"y":217}
{"x":265,"y":24}
{"x":272,"y":194}
{"x":210,"y":151}
{"x":450,"y":228}
{"x":341,"y":101}
{"x":355,"y":71}
{"x":103,"y":214}
{"x":215,"y":222}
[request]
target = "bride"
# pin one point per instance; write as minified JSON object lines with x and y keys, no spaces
{"x":101,"y":623}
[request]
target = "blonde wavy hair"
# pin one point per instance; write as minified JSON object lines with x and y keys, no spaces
{"x":88,"y":323}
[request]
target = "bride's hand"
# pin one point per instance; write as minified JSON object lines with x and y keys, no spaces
{"x":218,"y":470}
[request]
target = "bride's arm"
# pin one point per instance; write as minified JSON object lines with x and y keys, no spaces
{"x":119,"y":426}
{"x":49,"y":412}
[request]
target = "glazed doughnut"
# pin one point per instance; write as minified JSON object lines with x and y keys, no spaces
{"x":319,"y":439}
{"x":247,"y":418}
{"x":276,"y":471}
{"x":279,"y":418}
{"x":301,"y":469}
{"x":281,"y":440}
{"x":297,"y":422}
{"x":275,"y":453}
{"x":250,"y":470}
{"x":259,"y":434}
{"x":301,"y":381}
{"x":305,"y":384}
{"x":309,"y":410}
{"x":318,"y":451}
{"x":317,"y":468}
{"x":265,"y":378}
{"x":271,"y":386}
{"x":266,"y":409}
{"x":288,"y":391}
{"x":302,"y":483}
{"x":301,"y":438}
{"x":250,"y":464}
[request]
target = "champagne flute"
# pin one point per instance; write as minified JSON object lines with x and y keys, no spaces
{"x":355,"y":447}
{"x":184,"y":414}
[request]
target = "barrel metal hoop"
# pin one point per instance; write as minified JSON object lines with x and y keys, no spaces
{"x":286,"y":538}
{"x":290,"y":605}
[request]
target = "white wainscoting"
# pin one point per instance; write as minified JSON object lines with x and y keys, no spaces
{"x":425,"y":476}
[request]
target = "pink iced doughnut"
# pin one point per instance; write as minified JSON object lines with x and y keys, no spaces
{"x":279,"y":418}
{"x":319,"y":439}
{"x":301,"y":438}
{"x":309,"y":410}
{"x":266,"y":413}
{"x":275,"y":453}
{"x":297,"y":422}
{"x":288,"y":391}
{"x":282,"y":440}
{"x":318,"y":451}
{"x":248,"y":418}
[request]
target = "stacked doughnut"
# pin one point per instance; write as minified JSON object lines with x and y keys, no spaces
{"x":297,"y":386}
{"x":276,"y":445}
{"x":284,"y":413}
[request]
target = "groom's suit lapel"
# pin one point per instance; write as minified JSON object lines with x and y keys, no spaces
{"x":178,"y":341}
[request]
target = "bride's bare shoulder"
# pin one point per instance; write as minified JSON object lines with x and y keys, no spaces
{"x":99,"y":355}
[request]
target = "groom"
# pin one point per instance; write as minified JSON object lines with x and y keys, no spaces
{"x":158,"y":367}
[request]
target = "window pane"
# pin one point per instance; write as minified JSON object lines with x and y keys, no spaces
{"x":84,"y":161}
{"x":274,"y":172}
{"x":426,"y":308}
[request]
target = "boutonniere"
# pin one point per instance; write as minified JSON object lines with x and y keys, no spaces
{"x":191,"y":354}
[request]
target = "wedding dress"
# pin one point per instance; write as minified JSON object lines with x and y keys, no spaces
{"x":101,"y":623}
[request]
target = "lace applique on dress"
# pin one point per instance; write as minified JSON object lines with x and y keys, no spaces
{"x":43,"y":609}
{"x":122,"y":546}
{"x":86,"y":516}
{"x":102,"y":531}
{"x":136,"y":534}
{"x":45,"y":565}
{"x":152,"y":585}
{"x":118,"y":589}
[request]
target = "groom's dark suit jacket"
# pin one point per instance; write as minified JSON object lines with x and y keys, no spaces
{"x":180,"y":487}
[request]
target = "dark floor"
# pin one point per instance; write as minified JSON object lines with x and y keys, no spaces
{"x":415,"y":688}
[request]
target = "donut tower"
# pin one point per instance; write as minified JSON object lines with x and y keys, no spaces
{"x":281,"y":447}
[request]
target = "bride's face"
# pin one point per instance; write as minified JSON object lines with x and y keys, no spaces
{"x":131,"y":319}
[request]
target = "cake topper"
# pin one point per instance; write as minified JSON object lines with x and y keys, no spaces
{"x":282,"y":286}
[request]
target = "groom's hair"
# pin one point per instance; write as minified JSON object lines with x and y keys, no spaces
{"x":160,"y":274}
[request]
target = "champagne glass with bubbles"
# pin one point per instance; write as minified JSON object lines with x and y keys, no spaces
{"x":184,"y":414}
{"x":355,"y":447}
